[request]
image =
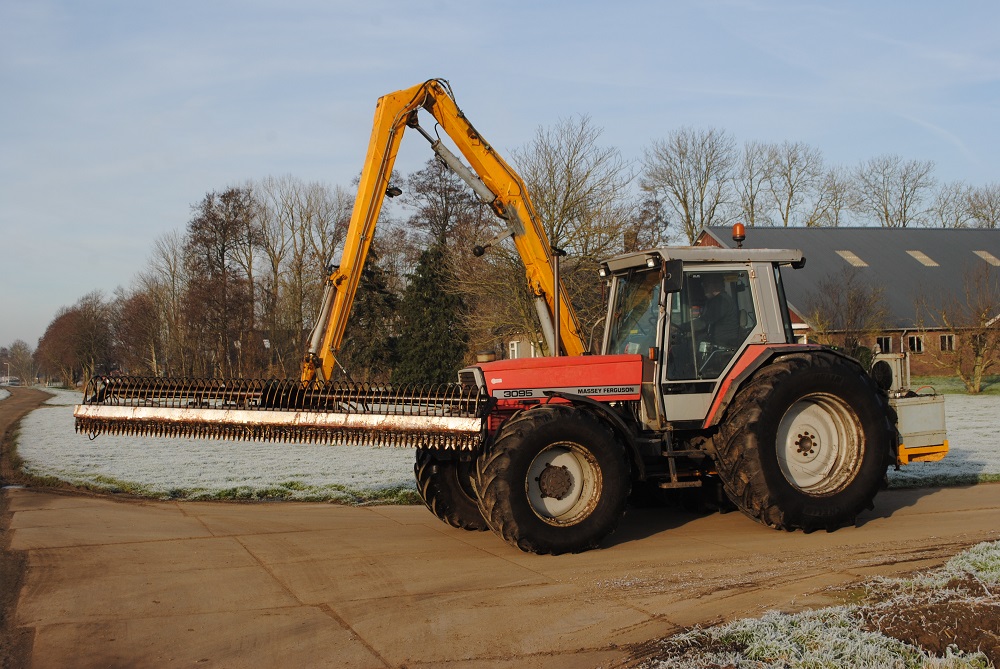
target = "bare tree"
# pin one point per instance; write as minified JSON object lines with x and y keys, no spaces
{"x":580,"y":189}
{"x":835,"y":200}
{"x":78,"y":342}
{"x":138,"y":332}
{"x":56,"y":353}
{"x":274,"y":216}
{"x":847,"y":307}
{"x":795,"y":175}
{"x":691,"y":170}
{"x":751,"y":177}
{"x":329,"y":222}
{"x":950,"y":206}
{"x":317,"y":222}
{"x":652,"y":226}
{"x":22,"y":362}
{"x":582,"y":193}
{"x":217,"y":303}
{"x":94,"y":340}
{"x":973,"y":319}
{"x":895,"y":191}
{"x":165,"y":281}
{"x":984,"y":206}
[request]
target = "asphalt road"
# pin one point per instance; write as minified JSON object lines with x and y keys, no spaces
{"x":161,"y":584}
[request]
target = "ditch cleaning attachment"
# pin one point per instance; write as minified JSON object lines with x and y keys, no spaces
{"x":440,"y":417}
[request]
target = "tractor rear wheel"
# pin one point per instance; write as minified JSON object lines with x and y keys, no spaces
{"x":445,"y":486}
{"x":806,"y":444}
{"x":554,"y":481}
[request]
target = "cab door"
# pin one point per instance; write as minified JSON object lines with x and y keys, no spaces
{"x":711,"y":319}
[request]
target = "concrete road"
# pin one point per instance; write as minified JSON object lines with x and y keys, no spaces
{"x":114,"y":583}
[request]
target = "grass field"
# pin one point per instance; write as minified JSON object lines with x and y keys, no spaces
{"x":952,"y":385}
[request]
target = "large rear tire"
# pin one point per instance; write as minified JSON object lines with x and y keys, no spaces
{"x":554,"y":481}
{"x":806,"y":444}
{"x":445,"y":486}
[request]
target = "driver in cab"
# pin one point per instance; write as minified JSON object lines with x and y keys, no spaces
{"x":719,"y":322}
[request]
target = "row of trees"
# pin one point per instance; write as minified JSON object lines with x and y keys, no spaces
{"x":236,"y":292}
{"x":702,"y":178}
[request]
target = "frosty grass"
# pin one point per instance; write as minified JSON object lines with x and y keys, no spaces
{"x":210,"y":469}
{"x":832,"y":638}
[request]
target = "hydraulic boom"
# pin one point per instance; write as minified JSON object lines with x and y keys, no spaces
{"x":493,"y":180}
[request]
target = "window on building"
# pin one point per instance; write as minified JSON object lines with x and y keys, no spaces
{"x":513,"y":346}
{"x":915,"y":343}
{"x":947,"y":342}
{"x":884,"y":344}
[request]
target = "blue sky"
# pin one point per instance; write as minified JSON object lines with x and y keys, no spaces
{"x":116,"y":117}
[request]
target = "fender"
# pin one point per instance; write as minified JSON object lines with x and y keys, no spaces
{"x":617,"y":423}
{"x":752,"y":359}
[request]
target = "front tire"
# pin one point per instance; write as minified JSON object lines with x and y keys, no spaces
{"x":806,"y":444}
{"x":445,"y":486}
{"x":554,"y":481}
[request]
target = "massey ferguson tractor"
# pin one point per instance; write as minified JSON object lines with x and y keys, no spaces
{"x":699,"y":383}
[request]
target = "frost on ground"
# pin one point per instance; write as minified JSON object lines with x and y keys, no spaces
{"x":892,"y":626}
{"x":974,"y":442}
{"x":4,"y":394}
{"x":209,"y":469}
{"x":203,"y":469}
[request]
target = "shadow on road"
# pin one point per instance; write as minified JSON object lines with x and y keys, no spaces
{"x":889,"y":502}
{"x":642,"y":523}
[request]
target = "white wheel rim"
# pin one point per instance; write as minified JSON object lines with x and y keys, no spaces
{"x":563,"y":483}
{"x":819,"y":444}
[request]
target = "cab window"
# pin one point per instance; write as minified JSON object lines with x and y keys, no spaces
{"x":710,"y":319}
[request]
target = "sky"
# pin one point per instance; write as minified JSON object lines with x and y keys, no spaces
{"x":117,"y":116}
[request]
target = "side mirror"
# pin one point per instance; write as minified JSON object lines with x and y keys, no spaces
{"x":673,"y":275}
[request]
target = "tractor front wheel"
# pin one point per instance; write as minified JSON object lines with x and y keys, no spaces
{"x":445,"y":485}
{"x":806,"y":444}
{"x":554,"y":481}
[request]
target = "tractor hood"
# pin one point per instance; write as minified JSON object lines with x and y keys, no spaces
{"x":600,"y":377}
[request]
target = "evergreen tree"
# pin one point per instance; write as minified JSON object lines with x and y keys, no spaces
{"x":368,"y":350}
{"x":432,"y":341}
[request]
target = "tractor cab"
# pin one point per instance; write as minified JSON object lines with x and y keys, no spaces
{"x":692,"y":311}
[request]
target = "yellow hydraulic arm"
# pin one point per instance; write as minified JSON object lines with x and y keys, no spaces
{"x":493,"y":180}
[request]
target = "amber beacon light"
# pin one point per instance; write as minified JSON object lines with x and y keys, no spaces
{"x":739,"y":234}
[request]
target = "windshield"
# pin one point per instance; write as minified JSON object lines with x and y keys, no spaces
{"x":636,"y":311}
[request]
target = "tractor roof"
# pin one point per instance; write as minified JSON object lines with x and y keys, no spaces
{"x":706,"y":254}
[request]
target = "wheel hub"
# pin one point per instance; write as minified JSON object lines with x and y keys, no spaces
{"x":563,"y":484}
{"x":555,"y":481}
{"x":806,"y":444}
{"x":818,"y":446}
